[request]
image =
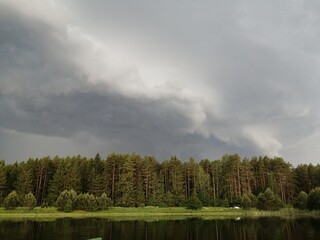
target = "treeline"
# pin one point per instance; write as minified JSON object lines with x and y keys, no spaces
{"x":131,"y":180}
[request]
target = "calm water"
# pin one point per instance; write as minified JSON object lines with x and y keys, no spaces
{"x":243,"y":229}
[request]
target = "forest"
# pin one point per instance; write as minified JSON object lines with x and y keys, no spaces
{"x":131,"y":180}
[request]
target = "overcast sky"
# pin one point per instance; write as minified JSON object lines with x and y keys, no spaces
{"x":171,"y":77}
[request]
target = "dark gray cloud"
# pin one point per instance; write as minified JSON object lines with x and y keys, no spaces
{"x":161,"y":78}
{"x":45,"y":92}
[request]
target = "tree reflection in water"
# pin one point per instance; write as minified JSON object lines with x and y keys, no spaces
{"x":188,"y":229}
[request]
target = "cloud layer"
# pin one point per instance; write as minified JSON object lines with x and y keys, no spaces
{"x":159,"y":78}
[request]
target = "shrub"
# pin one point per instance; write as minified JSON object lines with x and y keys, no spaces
{"x":253,"y":199}
{"x":223,"y":202}
{"x":104,"y":202}
{"x":152,"y":202}
{"x":66,"y":200}
{"x":92,"y":203}
{"x":204,"y":198}
{"x":301,"y":201}
{"x":86,"y":202}
{"x":68,"y":206}
{"x":236,"y":201}
{"x":193,"y":202}
{"x":11,"y":201}
{"x":170,"y":199}
{"x":29,"y":201}
{"x":269,"y":201}
{"x":313,"y":202}
{"x":81,"y":202}
{"x":246,"y":202}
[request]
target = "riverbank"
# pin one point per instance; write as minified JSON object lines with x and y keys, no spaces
{"x":153,"y":213}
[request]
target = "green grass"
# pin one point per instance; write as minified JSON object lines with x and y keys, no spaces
{"x":151,"y":213}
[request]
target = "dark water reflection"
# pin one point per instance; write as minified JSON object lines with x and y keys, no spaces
{"x":244,"y":229}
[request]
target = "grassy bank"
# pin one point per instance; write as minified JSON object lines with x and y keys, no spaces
{"x":151,"y":213}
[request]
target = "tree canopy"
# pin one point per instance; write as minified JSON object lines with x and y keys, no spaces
{"x":131,"y":180}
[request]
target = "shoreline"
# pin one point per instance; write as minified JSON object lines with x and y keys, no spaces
{"x":152,"y":213}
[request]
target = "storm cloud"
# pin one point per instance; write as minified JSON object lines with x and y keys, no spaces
{"x":172,"y":77}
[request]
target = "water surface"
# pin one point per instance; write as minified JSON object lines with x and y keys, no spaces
{"x":242,"y":229}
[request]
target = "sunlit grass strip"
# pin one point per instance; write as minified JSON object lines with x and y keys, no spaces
{"x":152,"y":213}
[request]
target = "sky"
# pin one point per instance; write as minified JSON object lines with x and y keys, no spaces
{"x":188,"y":78}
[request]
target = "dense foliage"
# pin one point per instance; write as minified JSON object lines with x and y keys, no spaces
{"x":29,"y":201}
{"x":67,"y":200}
{"x":11,"y":201}
{"x":301,"y":201}
{"x":130,"y":180}
{"x":313,"y":202}
{"x":269,"y":201}
{"x":193,"y":202}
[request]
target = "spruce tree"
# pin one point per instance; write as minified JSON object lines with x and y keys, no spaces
{"x":3,"y":181}
{"x":127,"y":184}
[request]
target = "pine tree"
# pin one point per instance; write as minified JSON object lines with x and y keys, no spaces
{"x":216,"y":180}
{"x":231,"y":168}
{"x":260,"y":173}
{"x":203,"y":186}
{"x":11,"y":176}
{"x":149,"y":176}
{"x":158,"y":195}
{"x":111,"y":175}
{"x":190,"y":176}
{"x":177,"y":181}
{"x":95,"y":183}
{"x":246,"y":176}
{"x":43,"y":175}
{"x":302,"y":176}
{"x":72,"y":175}
{"x":140,"y":191}
{"x":57,"y":184}
{"x":25,"y":178}
{"x":3,"y":181}
{"x":127,"y":184}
